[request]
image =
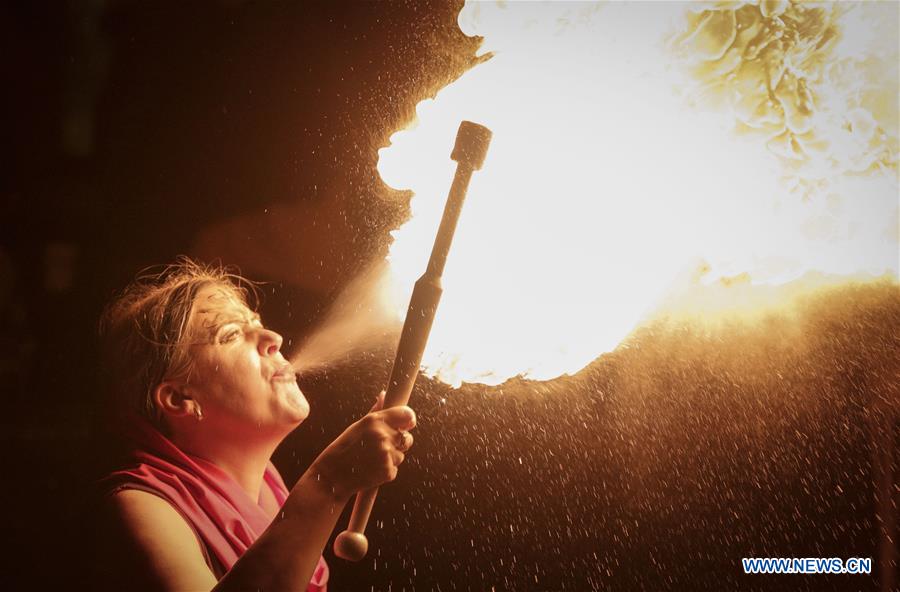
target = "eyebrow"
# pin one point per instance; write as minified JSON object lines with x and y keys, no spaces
{"x":220,"y":319}
{"x":253,"y":316}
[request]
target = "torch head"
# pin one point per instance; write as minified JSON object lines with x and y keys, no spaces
{"x":472,"y":141}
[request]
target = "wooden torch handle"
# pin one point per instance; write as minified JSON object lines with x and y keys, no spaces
{"x":471,"y":147}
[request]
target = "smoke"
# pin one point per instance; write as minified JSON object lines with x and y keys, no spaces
{"x":362,"y":318}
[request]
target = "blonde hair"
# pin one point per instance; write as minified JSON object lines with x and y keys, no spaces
{"x":145,"y":331}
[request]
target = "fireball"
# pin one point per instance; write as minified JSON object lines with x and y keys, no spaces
{"x":642,"y":150}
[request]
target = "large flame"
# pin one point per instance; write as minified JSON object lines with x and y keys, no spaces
{"x":634,"y":143}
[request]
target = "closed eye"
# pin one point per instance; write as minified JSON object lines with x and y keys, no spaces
{"x":229,"y":335}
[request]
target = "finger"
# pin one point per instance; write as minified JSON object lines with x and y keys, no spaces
{"x":379,"y":402}
{"x":397,"y":458}
{"x":404,"y":441}
{"x":399,"y":418}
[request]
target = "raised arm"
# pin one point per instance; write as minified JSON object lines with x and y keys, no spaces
{"x":168,"y":556}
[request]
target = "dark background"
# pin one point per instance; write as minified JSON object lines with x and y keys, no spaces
{"x":249,"y":132}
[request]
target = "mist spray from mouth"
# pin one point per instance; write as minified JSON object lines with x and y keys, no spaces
{"x":362,"y":318}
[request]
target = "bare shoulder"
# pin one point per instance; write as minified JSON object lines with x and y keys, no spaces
{"x":148,"y":541}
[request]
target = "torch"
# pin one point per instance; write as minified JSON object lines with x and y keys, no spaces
{"x":469,"y":151}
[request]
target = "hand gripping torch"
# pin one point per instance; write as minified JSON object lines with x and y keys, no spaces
{"x":471,"y":147}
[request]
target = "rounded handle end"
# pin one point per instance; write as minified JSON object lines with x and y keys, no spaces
{"x":351,"y":546}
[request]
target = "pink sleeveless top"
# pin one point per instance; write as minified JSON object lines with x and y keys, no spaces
{"x":224,"y":518}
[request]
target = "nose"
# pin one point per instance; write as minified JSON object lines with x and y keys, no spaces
{"x":269,"y":342}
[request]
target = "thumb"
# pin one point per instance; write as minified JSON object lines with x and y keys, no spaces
{"x":379,"y":402}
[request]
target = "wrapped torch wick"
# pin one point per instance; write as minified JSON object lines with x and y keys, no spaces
{"x":471,"y":146}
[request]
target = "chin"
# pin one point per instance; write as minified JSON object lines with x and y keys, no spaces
{"x":298,"y":406}
{"x":301,"y":412}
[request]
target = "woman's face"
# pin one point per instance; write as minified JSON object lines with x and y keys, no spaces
{"x":240,"y":379}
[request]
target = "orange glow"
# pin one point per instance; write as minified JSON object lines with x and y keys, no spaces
{"x":635,"y":143}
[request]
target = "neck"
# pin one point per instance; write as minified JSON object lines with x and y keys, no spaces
{"x":243,"y":459}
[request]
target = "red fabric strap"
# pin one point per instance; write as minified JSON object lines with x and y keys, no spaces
{"x":225,"y":518}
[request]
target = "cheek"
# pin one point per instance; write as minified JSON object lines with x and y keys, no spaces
{"x":229,"y":378}
{"x":242,"y":375}
{"x":248,"y":370}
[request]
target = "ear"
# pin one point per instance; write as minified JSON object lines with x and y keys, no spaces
{"x":171,"y":401}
